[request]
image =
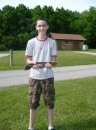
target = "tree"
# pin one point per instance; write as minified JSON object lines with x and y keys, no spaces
{"x":8,"y":22}
{"x":17,"y":25}
{"x":90,"y":31}
{"x":23,"y":19}
{"x":36,"y":12}
{"x":10,"y":42}
{"x":86,"y":25}
{"x":48,"y":13}
{"x":22,"y":40}
{"x":63,"y":21}
{"x":1,"y":21}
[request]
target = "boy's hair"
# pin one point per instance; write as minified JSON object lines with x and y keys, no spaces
{"x":41,"y":18}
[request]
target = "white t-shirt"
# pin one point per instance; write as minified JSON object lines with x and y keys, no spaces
{"x":41,"y":51}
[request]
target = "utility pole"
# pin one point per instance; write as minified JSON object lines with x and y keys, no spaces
{"x":11,"y":57}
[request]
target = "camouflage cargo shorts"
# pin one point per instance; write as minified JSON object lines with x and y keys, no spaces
{"x":44,"y":87}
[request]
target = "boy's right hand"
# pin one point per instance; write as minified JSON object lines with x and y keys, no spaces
{"x":35,"y":66}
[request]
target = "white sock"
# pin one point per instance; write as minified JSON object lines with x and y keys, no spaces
{"x":50,"y":127}
{"x":30,"y":129}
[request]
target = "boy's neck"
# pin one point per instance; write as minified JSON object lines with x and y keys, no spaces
{"x":42,"y":37}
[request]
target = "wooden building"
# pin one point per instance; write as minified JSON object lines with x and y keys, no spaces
{"x":68,"y":41}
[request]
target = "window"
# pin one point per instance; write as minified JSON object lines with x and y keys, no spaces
{"x":66,"y":42}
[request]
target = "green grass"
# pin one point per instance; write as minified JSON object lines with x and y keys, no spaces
{"x":65,"y":58}
{"x":71,"y":58}
{"x":75,"y":106}
{"x":18,"y":61}
{"x":92,"y":50}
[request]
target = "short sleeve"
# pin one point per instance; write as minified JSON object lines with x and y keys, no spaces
{"x":29,"y":49}
{"x":54,"y":48}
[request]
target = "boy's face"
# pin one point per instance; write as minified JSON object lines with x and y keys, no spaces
{"x":41,"y":27}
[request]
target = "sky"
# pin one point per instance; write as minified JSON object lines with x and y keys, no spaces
{"x":73,"y":5}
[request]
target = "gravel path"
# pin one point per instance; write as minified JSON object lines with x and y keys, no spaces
{"x":4,"y":54}
{"x":18,"y":77}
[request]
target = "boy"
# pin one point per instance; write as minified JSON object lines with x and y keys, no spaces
{"x":41,"y":80}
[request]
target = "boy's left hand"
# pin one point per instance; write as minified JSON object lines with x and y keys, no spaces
{"x":48,"y":65}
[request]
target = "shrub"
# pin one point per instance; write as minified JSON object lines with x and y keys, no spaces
{"x":3,"y":47}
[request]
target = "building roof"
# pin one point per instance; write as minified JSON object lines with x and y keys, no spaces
{"x":67,"y":36}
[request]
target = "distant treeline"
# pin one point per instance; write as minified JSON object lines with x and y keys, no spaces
{"x":17,"y":25}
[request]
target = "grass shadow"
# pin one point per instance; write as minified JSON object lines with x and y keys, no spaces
{"x":86,"y":125}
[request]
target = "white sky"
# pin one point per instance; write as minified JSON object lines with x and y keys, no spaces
{"x":74,"y":5}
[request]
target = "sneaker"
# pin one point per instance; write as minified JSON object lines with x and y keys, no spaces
{"x":52,"y":129}
{"x":30,"y":129}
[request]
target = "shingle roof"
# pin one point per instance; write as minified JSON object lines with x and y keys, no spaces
{"x":67,"y":36}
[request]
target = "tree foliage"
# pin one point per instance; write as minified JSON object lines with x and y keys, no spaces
{"x":17,"y":25}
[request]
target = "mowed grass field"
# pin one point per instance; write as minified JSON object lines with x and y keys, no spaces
{"x":75,"y":107}
{"x":64,"y":58}
{"x":92,"y":50}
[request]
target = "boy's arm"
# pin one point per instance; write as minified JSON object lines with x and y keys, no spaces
{"x":29,"y":59}
{"x":30,"y":63}
{"x":53,"y":58}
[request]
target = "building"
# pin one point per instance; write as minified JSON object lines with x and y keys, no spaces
{"x":68,"y":41}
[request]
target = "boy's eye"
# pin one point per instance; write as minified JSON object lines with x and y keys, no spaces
{"x":42,"y":25}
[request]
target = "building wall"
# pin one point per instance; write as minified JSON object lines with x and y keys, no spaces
{"x":77,"y":45}
{"x":69,"y":45}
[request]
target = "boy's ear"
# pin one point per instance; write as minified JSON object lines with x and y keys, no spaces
{"x":47,"y":26}
{"x":36,"y":27}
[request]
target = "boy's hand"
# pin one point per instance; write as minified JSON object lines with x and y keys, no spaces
{"x":48,"y":65}
{"x":40,"y":65}
{"x":35,"y":66}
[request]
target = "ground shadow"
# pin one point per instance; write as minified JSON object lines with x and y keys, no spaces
{"x":86,"y":125}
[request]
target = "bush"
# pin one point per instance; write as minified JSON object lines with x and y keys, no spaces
{"x":3,"y":47}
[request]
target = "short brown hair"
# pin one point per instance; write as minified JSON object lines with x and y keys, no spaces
{"x":41,"y":18}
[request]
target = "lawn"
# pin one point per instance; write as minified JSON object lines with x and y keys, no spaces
{"x":92,"y":50}
{"x":75,"y":106}
{"x":65,"y":58}
{"x":18,"y":61}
